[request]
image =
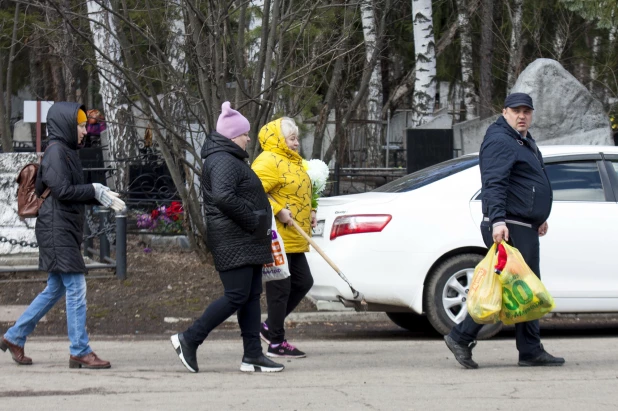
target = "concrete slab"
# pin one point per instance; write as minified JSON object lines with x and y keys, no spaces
{"x":10,"y":313}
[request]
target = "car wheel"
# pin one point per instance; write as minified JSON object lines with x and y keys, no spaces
{"x":446,"y":293}
{"x":411,"y":321}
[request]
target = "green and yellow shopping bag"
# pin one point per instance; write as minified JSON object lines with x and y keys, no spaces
{"x":524,"y":297}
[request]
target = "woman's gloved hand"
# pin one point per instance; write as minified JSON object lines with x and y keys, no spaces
{"x":108,"y":198}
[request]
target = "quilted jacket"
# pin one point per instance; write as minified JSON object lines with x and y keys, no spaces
{"x":285,"y":179}
{"x":238,"y":215}
{"x":60,"y":224}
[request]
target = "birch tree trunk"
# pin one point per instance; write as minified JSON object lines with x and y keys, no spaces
{"x":374,"y":91}
{"x":486,"y":90}
{"x":613,"y":33}
{"x":562,"y":35}
{"x":515,"y":48}
{"x":112,"y":86}
{"x":258,"y":60}
{"x":425,"y":57}
{"x":172,"y":101}
{"x":594,"y":73}
{"x":466,"y":58}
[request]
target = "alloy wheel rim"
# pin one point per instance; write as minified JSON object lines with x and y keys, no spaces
{"x":455,"y":294}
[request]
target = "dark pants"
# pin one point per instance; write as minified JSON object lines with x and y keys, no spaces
{"x":527,"y":334}
{"x":243,"y":287}
{"x":283,"y":296}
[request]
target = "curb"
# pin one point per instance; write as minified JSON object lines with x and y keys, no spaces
{"x":331,"y":317}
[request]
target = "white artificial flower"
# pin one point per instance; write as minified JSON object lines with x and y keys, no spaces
{"x":318,"y":173}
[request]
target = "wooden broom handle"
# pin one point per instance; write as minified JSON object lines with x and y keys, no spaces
{"x":314,"y":245}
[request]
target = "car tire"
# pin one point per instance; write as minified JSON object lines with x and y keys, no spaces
{"x":411,"y":322}
{"x":449,"y":280}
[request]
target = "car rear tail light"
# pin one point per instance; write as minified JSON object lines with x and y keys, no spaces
{"x":361,"y":223}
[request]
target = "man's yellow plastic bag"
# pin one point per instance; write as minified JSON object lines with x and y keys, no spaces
{"x":485,"y":293}
{"x":524,"y":297}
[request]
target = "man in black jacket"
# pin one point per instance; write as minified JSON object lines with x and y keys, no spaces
{"x":516,"y":202}
{"x":238,"y":219}
{"x":59,"y":234}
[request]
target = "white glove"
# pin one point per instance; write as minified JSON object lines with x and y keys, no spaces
{"x":108,"y":198}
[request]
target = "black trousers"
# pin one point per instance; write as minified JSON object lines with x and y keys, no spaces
{"x":527,"y":334}
{"x":283,"y":296}
{"x":243,"y":287}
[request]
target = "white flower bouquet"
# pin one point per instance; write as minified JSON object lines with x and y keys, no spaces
{"x":318,"y":173}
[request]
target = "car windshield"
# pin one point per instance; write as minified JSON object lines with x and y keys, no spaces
{"x":428,"y":175}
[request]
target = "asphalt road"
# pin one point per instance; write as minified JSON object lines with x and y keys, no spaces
{"x":356,"y":365}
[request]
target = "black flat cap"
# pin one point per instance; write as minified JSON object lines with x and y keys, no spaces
{"x":518,"y":100}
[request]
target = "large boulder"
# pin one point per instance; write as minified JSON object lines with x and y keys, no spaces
{"x":565,"y":111}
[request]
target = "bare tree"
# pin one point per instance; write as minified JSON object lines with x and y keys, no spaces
{"x":486,"y":89}
{"x":181,"y":59}
{"x":344,"y":116}
{"x":562,"y":32}
{"x":334,"y":84}
{"x":374,"y":89}
{"x":7,"y":141}
{"x":109,"y":61}
{"x":515,"y":52}
{"x":9,"y":73}
{"x":466,"y":58}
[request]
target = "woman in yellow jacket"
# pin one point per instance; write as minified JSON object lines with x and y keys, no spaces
{"x":285,"y":180}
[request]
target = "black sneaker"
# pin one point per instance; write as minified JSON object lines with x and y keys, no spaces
{"x":186,"y":352}
{"x":463,"y":353}
{"x":284,"y":350}
{"x":544,"y":359}
{"x":264,"y":333}
{"x":260,"y":364}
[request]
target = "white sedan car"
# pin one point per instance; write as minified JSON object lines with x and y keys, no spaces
{"x":410,"y":246}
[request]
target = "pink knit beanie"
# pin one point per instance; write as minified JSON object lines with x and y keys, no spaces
{"x":231,"y":123}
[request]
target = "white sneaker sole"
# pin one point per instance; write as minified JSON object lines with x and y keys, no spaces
{"x":245,"y":367}
{"x":176,"y":344}
{"x":269,"y":354}
{"x":267,"y":341}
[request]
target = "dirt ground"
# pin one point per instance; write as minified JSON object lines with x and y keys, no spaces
{"x":161,"y":284}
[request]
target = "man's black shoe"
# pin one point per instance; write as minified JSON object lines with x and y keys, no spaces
{"x":463,"y":353}
{"x":186,"y":352}
{"x":259,"y":364}
{"x":544,"y":359}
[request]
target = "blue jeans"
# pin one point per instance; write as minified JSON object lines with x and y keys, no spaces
{"x":74,"y":286}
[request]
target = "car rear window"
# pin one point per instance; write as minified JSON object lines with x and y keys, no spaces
{"x":429,"y":175}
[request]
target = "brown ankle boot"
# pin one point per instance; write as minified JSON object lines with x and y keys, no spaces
{"x":16,"y":351}
{"x":89,"y":360}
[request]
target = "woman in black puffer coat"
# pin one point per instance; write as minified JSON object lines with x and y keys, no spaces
{"x":238,"y":218}
{"x":59,"y":232}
